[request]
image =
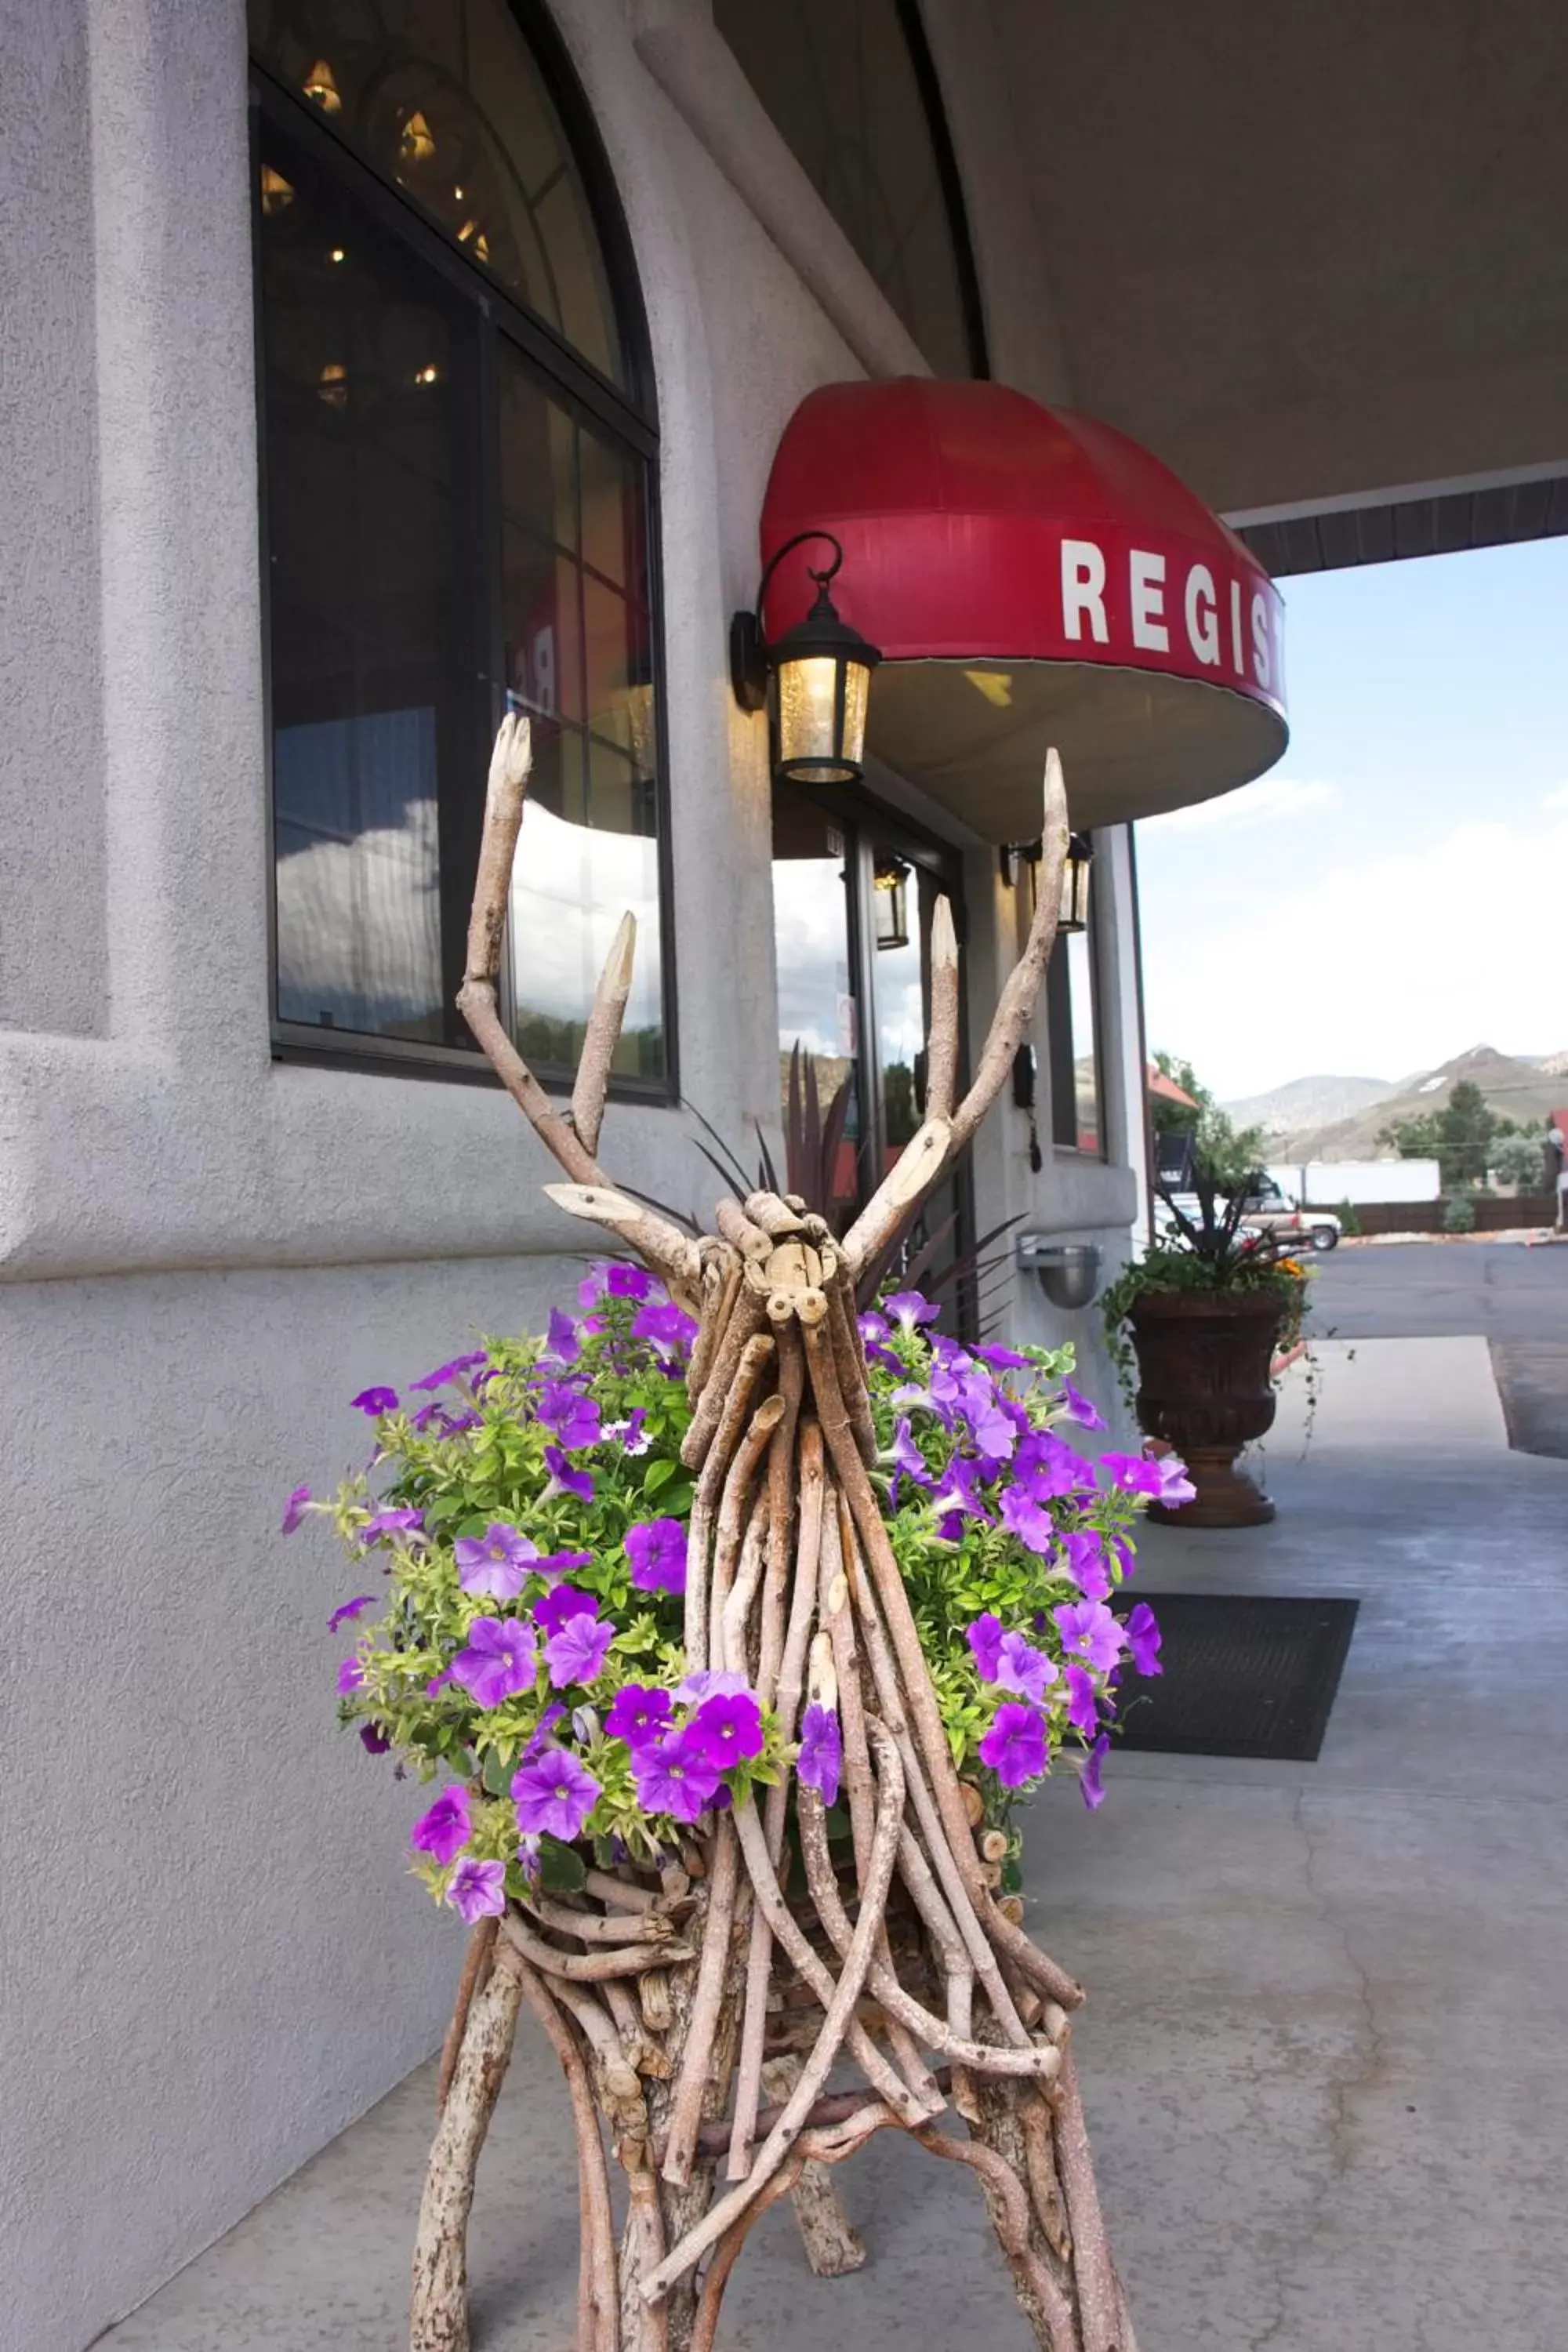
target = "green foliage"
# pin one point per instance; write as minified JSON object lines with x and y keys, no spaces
{"x":1459,"y":1138}
{"x":1459,"y":1212}
{"x":1519,"y":1160}
{"x":1350,"y":1221}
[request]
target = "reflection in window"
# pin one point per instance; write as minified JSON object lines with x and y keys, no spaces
{"x":848,"y":84}
{"x":442,"y":98}
{"x":812,"y":947}
{"x":1088,"y":1130}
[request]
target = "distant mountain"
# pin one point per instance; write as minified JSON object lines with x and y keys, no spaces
{"x":1303,"y":1103}
{"x":1516,"y":1089}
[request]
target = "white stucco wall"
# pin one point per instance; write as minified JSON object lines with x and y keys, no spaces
{"x":208,"y":1944}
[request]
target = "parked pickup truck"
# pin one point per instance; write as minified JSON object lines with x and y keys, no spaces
{"x":1267,"y":1210}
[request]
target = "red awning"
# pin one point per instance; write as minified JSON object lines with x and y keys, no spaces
{"x":1032,"y":577}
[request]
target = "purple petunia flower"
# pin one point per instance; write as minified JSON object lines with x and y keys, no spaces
{"x":1014,"y":1746}
{"x":629,"y":1433}
{"x":350,"y":1675}
{"x":373,"y":1402}
{"x":624,"y":1281}
{"x":821,"y":1758}
{"x":445,"y":1829}
{"x":1028,"y":1520}
{"x":985,"y":1639}
{"x":1088,"y":1627}
{"x":908,"y":1309}
{"x":675,"y":1776}
{"x":563,"y":1342}
{"x":958,"y":1497}
{"x":1081,"y":1409}
{"x":872,"y":1326}
{"x":669,"y":1329}
{"x":1048,"y":1465}
{"x":730,"y":1726}
{"x":576,"y":1653}
{"x":389,"y":1523}
{"x":554,"y":1793}
{"x":500,"y":1660}
{"x":1021,"y":1667}
{"x":437,"y":1683}
{"x":373,"y":1739}
{"x":908,"y":1459}
{"x":573,"y":1416}
{"x":538,"y":1737}
{"x":294,"y":1510}
{"x":563,"y":1479}
{"x":477,"y":1890}
{"x":1086,"y":1556}
{"x":1143,"y":1631}
{"x":1132,"y":1472}
{"x":1001,"y":1359}
{"x":656,"y":1551}
{"x":530,"y":1857}
{"x":1083,"y":1713}
{"x":341,"y":1615}
{"x":1175,"y":1486}
{"x":637,"y":1714}
{"x":444,"y":1374}
{"x":562,"y":1600}
{"x":1088,"y":1776}
{"x":709,"y":1682}
{"x":497,"y":1563}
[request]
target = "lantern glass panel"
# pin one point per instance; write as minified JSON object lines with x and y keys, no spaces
{"x":820,"y":742}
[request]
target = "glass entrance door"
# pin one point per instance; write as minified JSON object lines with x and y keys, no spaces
{"x":855,"y":890}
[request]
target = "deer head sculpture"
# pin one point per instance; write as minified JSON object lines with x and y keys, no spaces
{"x":791,"y":1583}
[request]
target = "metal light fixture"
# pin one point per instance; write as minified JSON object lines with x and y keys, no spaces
{"x":1074,"y":915}
{"x":822,"y":673}
{"x":890,"y":901}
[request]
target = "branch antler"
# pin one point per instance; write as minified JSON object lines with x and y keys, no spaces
{"x":946,"y":1131}
{"x":571,"y":1137}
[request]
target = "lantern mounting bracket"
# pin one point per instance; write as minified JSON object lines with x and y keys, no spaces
{"x":748,"y":645}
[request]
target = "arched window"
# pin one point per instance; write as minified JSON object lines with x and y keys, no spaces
{"x":850,"y":86}
{"x":457,"y":445}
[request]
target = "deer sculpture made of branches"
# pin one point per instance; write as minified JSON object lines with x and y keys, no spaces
{"x":675,"y":2000}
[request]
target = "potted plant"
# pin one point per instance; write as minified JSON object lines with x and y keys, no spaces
{"x":1195,"y":1324}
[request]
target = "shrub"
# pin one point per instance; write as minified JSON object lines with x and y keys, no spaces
{"x":1459,"y":1212}
{"x":1350,"y":1223}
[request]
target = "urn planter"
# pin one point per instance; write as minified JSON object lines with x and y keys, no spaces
{"x":1204,"y":1388}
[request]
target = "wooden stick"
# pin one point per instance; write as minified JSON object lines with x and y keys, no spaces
{"x":439,"y":2298}
{"x":839,"y":2017}
{"x":598,"y":2328}
{"x":781,"y":1512}
{"x":733,"y":1511}
{"x":602,"y":1034}
{"x":773,"y":1217}
{"x":850,"y":1368}
{"x":686,"y":2109}
{"x":744,"y":1323}
{"x":732,"y":1648}
{"x":1009,"y":2207}
{"x":476,"y":1968}
{"x":942,"y":1044}
{"x":1099,"y":2299}
{"x":727,"y":2252}
{"x":621,"y":1893}
{"x":833,"y":2247}
{"x":590,"y":1927}
{"x":590,"y":1968}
{"x":721,"y":1282}
{"x":739,"y":1230}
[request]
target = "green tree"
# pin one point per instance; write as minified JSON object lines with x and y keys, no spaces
{"x":1466,"y":1128}
{"x":1519,"y":1160}
{"x":1414,"y":1138}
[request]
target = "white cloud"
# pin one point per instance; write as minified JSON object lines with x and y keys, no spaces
{"x":1555,"y":799}
{"x":1272,"y":800}
{"x":1392,"y":962}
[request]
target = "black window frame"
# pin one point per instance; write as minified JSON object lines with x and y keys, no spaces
{"x":628,"y":415}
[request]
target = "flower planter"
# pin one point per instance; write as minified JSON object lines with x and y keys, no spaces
{"x":1204,"y":1388}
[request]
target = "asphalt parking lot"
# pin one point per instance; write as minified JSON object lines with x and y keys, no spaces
{"x":1515,"y":1299}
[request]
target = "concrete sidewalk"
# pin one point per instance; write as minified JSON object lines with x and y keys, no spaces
{"x":1326,"y":2053}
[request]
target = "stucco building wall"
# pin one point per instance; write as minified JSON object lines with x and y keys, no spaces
{"x":209,"y":1947}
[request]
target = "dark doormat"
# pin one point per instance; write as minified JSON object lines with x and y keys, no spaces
{"x":1244,"y":1673}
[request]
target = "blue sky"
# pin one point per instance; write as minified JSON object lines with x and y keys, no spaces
{"x":1397,"y":889}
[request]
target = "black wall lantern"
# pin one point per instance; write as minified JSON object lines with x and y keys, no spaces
{"x":822,"y":673}
{"x":890,"y":901}
{"x":1074,"y":915}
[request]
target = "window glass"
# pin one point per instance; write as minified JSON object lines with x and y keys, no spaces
{"x":442,"y":99}
{"x":451,"y":530}
{"x":813,"y":943}
{"x":368,"y":385}
{"x":1088,"y":1126}
{"x":842,"y":80}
